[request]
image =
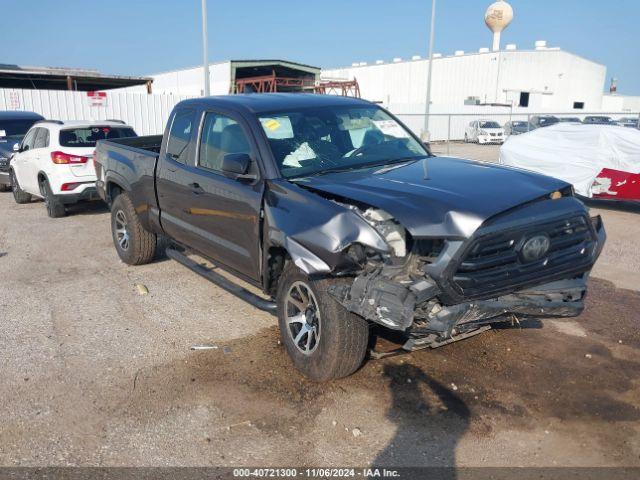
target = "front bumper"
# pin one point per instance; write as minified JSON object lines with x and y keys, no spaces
{"x":490,"y":139}
{"x":431,"y":306}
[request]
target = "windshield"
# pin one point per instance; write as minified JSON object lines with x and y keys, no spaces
{"x":489,"y":125}
{"x":314,"y":140}
{"x":14,"y":130}
{"x":548,"y":120}
{"x":88,"y":136}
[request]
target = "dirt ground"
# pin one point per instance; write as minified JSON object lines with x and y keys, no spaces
{"x":94,"y":373}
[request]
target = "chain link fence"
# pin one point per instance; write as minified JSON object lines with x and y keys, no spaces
{"x":454,"y":127}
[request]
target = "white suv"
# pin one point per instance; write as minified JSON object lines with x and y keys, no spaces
{"x":54,"y":162}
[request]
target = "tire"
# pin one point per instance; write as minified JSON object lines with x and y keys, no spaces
{"x":55,"y":208}
{"x":466,"y":138}
{"x":5,"y":188}
{"x":134,"y":244}
{"x":339,"y":338}
{"x":19,"y":195}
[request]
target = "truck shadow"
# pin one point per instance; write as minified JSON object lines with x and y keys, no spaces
{"x":430,"y":419}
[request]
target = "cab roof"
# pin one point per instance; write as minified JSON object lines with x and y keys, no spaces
{"x":267,"y":102}
{"x":20,"y":115}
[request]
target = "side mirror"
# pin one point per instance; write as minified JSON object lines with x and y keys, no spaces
{"x":16,"y":147}
{"x":236,"y":165}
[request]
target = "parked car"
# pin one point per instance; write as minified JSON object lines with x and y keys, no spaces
{"x":484,"y":131}
{"x":517,"y":127}
{"x":53,"y":162}
{"x":598,"y":120}
{"x":630,"y":122}
{"x":337,"y":213}
{"x":539,"y":121}
{"x":569,"y":120}
{"x":13,"y":126}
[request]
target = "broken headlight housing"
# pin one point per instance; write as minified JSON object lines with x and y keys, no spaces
{"x":393,"y":233}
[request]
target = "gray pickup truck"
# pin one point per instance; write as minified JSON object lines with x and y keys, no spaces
{"x":343,"y":219}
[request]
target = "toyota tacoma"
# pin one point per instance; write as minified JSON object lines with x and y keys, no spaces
{"x":342,"y":218}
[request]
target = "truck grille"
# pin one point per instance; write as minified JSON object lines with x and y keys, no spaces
{"x":493,"y":264}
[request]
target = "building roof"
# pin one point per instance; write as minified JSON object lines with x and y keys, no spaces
{"x":53,"y":78}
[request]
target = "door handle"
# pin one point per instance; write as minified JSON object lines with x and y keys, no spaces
{"x":196,"y":189}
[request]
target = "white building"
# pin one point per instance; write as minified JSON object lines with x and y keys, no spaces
{"x":538,"y":80}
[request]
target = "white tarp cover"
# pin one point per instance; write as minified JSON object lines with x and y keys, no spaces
{"x":574,"y":153}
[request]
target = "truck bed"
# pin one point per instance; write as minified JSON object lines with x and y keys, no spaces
{"x":149,"y":143}
{"x":129,"y":163}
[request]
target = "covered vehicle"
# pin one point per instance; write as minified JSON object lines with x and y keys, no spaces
{"x":598,"y":160}
{"x":340,"y":216}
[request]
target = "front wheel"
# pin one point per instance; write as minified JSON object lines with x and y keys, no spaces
{"x":323,"y":339}
{"x":134,"y":244}
{"x":19,"y":195}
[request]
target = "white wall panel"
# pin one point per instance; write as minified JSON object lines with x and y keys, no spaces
{"x":147,"y":114}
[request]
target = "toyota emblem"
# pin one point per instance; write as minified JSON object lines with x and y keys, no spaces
{"x":535,"y":248}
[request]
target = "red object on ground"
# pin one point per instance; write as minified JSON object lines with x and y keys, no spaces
{"x":618,"y":185}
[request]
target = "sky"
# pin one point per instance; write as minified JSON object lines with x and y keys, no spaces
{"x":141,"y":37}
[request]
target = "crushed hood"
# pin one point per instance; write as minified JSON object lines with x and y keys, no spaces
{"x":453,"y":201}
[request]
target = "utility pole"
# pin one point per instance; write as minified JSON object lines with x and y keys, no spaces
{"x":205,"y":48}
{"x":425,"y":132}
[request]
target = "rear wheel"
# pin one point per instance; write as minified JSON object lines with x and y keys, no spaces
{"x":19,"y":195}
{"x":134,"y":244}
{"x":55,"y":208}
{"x":5,"y":188}
{"x":323,"y":339}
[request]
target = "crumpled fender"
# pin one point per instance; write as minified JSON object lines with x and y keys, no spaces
{"x":314,"y":231}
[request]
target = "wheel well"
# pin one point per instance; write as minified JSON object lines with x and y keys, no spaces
{"x":277,"y":258}
{"x":113,"y":190}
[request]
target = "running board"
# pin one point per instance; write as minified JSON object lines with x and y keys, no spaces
{"x":222,"y":282}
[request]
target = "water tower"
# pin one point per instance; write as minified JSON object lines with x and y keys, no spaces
{"x":497,"y":18}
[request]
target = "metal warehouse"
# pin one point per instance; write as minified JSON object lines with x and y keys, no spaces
{"x":540,"y":79}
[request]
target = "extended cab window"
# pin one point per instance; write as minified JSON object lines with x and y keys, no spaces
{"x":180,"y":134}
{"x":220,"y":135}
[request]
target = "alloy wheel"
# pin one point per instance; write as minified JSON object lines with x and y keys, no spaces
{"x":303,"y":317}
{"x":122,"y":234}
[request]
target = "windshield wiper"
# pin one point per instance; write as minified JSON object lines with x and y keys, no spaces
{"x":362,"y":166}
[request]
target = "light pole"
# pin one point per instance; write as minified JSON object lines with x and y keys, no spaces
{"x":205,"y":48}
{"x":425,"y":132}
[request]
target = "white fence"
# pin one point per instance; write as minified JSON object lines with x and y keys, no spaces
{"x":147,"y":114}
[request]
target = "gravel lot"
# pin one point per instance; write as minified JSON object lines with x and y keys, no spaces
{"x":94,"y":373}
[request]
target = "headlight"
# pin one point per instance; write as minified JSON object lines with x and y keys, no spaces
{"x":482,"y":132}
{"x":393,"y":233}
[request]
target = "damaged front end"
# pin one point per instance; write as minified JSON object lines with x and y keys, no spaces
{"x":444,"y":277}
{"x":527,"y":263}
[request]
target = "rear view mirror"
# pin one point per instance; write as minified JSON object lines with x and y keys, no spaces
{"x":236,"y":165}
